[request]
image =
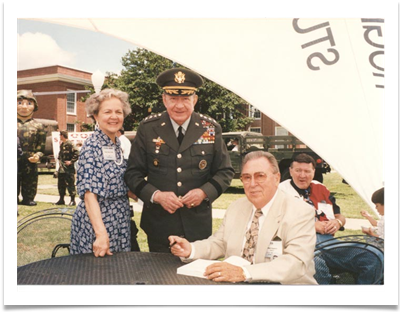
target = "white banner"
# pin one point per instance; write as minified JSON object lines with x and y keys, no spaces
{"x":322,"y":79}
{"x":75,"y":137}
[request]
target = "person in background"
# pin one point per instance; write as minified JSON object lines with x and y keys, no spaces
{"x":178,"y":165}
{"x":32,"y":137}
{"x":269,"y":228}
{"x":78,"y":146}
{"x":302,"y":185}
{"x":328,"y":221}
{"x":101,"y":222}
{"x":19,"y":155}
{"x":378,"y":231}
{"x":235,"y":142}
{"x":125,"y":143}
{"x":68,"y":155}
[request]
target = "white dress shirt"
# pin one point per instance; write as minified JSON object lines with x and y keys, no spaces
{"x":184,"y":126}
{"x":125,"y":146}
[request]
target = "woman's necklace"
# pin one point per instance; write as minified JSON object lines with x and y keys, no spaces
{"x":121,"y":158}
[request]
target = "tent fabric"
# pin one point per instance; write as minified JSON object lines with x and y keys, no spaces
{"x":322,"y":79}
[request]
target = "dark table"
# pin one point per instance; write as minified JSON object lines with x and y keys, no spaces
{"x":125,"y":268}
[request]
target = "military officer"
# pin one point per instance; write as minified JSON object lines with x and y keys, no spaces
{"x":32,"y":137}
{"x":68,"y":155}
{"x":178,"y":164}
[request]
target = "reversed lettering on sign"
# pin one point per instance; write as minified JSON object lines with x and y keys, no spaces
{"x":372,"y":29}
{"x":333,"y":54}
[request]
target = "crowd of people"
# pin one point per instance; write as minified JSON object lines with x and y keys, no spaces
{"x":178,"y":164}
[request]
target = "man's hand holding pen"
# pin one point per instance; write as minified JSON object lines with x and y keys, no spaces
{"x":179,"y":246}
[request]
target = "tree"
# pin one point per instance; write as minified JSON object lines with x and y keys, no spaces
{"x":138,"y":79}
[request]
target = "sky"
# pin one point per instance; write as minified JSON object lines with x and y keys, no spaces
{"x":44,"y":44}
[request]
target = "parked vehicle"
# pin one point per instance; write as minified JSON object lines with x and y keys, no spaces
{"x":284,"y":148}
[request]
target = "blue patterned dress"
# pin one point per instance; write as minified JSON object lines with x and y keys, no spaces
{"x":105,"y":178}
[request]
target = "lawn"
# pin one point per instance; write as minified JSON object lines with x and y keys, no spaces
{"x":37,"y":243}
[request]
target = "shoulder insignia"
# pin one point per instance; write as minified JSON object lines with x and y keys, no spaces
{"x":152,"y":117}
{"x":208,"y":119}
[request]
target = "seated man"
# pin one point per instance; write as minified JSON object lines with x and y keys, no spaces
{"x":327,"y":223}
{"x":269,"y":228}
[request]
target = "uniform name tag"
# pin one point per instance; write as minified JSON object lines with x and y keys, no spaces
{"x":274,"y":250}
{"x":108,"y":153}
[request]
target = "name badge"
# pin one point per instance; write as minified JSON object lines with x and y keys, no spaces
{"x":108,"y":153}
{"x":274,"y":249}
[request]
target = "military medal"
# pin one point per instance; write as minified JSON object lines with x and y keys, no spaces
{"x":158,"y":142}
{"x":208,"y":137}
{"x":203,"y":164}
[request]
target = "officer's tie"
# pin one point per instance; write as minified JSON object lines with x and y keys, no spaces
{"x":180,"y":136}
{"x":252,"y":237}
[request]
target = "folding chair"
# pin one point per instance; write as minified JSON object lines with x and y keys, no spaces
{"x":353,"y":259}
{"x":44,"y":234}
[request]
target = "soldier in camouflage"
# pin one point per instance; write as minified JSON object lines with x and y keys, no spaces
{"x":68,"y":155}
{"x":32,"y":137}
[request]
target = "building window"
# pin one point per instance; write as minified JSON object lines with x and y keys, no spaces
{"x":70,"y":127}
{"x":254,"y":113}
{"x":281,"y":131}
{"x":258,"y":130}
{"x":71,"y":103}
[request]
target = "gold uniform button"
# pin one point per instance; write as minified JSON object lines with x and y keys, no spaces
{"x":203,"y":153}
{"x":178,"y":169}
{"x":178,"y":183}
{"x":179,"y":156}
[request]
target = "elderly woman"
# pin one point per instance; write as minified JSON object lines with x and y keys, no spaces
{"x":101,"y":222}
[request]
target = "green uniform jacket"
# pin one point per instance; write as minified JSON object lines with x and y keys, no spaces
{"x":68,"y":151}
{"x":157,"y":162}
{"x":32,"y":138}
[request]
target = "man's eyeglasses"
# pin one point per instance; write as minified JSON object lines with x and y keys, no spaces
{"x":259,"y":177}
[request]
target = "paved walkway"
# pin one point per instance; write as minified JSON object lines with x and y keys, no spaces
{"x":351,"y":224}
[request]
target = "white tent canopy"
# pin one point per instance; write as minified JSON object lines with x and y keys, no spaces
{"x":322,"y":79}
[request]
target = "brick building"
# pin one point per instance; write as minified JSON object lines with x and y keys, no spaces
{"x":263,"y":124}
{"x":56,"y":90}
{"x":62,"y":104}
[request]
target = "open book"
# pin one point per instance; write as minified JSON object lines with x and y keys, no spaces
{"x":197,"y":267}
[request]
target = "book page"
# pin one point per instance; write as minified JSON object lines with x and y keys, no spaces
{"x":198,"y":267}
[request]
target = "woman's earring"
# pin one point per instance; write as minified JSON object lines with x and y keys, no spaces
{"x":97,"y":125}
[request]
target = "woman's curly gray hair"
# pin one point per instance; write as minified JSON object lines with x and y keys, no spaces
{"x":93,"y":103}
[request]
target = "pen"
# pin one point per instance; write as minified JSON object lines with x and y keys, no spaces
{"x":170,"y":246}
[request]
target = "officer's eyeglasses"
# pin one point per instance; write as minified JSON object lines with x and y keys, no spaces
{"x":259,"y":177}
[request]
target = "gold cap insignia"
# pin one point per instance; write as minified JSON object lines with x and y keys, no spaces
{"x":179,"y":77}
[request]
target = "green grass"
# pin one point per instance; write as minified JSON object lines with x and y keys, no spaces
{"x":37,"y":243}
{"x":351,"y":204}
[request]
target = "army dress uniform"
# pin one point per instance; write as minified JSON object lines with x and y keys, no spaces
{"x":66,"y":173}
{"x":32,"y":137}
{"x":158,"y":162}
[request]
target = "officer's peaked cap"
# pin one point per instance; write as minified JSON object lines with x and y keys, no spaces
{"x":179,"y":81}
